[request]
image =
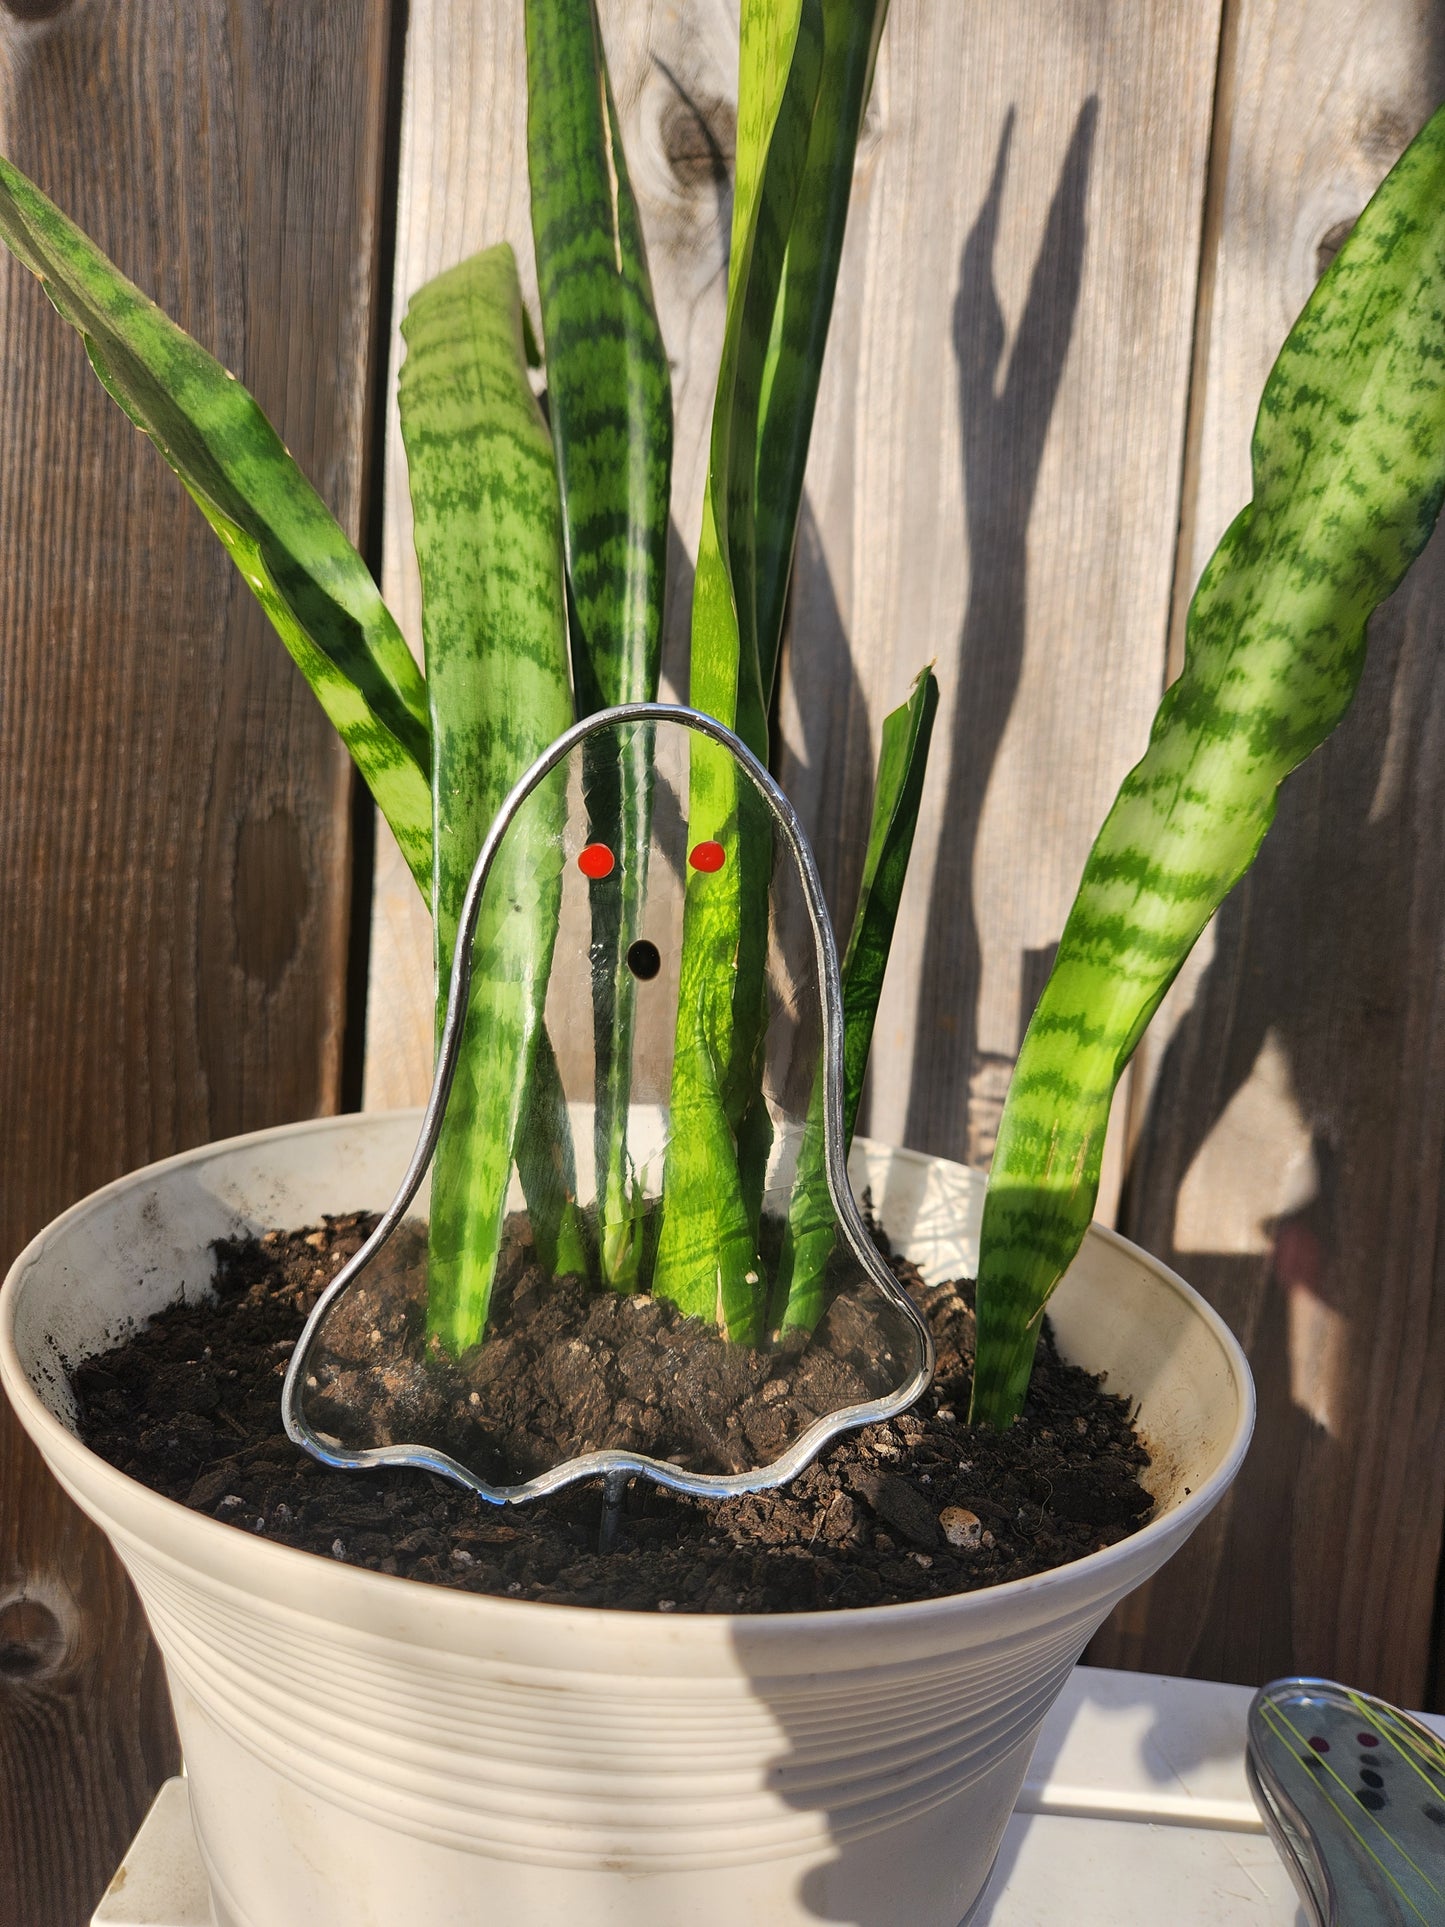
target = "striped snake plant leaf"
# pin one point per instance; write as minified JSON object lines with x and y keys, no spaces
{"x":812,"y":1224}
{"x":1349,"y":468}
{"x":301,"y":568}
{"x":707,"y":1258}
{"x":609,"y":393}
{"x":547,"y":1165}
{"x":852,"y":30}
{"x":609,"y":399}
{"x":489,"y":545}
{"x":780,"y":66}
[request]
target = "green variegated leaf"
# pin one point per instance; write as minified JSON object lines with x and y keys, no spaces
{"x":780,"y":65}
{"x":1349,"y":468}
{"x":547,"y":1166}
{"x":788,"y":391}
{"x":609,"y":400}
{"x":812,"y":1223}
{"x":902,"y":765}
{"x":707,"y":1258}
{"x":609,"y":394}
{"x":489,"y":544}
{"x":306,"y":575}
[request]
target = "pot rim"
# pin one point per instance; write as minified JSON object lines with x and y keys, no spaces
{"x":359,"y":1582}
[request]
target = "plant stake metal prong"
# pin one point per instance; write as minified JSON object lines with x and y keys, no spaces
{"x":614,"y":1485}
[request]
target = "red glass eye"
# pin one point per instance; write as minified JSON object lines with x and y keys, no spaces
{"x":707,"y":857}
{"x":596,"y":861}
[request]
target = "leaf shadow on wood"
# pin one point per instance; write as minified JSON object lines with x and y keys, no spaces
{"x":1004,"y":428}
{"x":1328,"y":956}
{"x":829,"y":741}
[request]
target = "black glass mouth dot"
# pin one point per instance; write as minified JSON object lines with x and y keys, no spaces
{"x":643,"y":960}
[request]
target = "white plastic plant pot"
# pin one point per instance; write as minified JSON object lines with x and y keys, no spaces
{"x":366,"y":1748}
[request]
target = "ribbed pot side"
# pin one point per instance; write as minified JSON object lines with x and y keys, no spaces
{"x":364,"y":1749}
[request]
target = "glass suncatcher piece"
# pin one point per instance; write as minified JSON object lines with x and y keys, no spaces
{"x":683,"y":1286}
{"x":1353,"y":1793}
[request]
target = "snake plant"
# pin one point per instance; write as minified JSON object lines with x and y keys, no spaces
{"x":542,"y":540}
{"x":542,"y":543}
{"x":1349,"y":469}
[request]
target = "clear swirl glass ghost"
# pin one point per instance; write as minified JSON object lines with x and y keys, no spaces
{"x":670,"y":1276}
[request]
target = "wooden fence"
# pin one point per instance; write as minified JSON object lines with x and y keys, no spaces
{"x":1079,"y":235}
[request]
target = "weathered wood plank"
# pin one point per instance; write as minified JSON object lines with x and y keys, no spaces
{"x":1288,"y":1126}
{"x":174,"y":842}
{"x":1003,"y":153}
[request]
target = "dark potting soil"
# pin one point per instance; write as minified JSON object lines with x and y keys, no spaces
{"x":913,"y":1508}
{"x":566,"y":1369}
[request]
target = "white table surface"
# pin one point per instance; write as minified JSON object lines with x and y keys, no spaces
{"x":1135,"y":1813}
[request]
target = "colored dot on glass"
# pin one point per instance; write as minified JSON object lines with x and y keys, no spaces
{"x":707,"y":857}
{"x":1367,"y":1739}
{"x":1319,"y":1743}
{"x":1376,"y":1780}
{"x":596,"y":861}
{"x":1371,"y":1802}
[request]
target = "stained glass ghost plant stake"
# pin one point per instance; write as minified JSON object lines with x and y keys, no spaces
{"x":372,"y":1382}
